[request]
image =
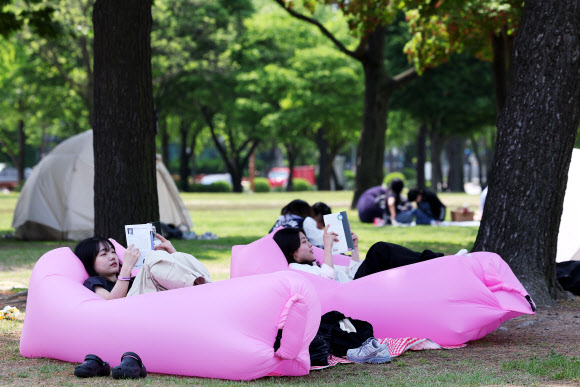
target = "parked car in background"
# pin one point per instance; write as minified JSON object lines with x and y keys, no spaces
{"x":278,"y":176}
{"x":9,"y":177}
{"x":210,"y":179}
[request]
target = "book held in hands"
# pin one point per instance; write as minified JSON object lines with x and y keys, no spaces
{"x":339,"y":224}
{"x":142,"y":236}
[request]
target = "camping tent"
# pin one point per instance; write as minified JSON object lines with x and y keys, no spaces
{"x":56,"y":203}
{"x":568,"y":241}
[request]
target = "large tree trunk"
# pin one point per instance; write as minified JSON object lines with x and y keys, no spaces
{"x":21,"y":151}
{"x":536,"y":133}
{"x":124,"y":131}
{"x":291,"y":154}
{"x":500,"y":69}
{"x":371,"y":147}
{"x":324,"y":166}
{"x":437,"y":141}
{"x":421,"y":155}
{"x":455,"y":156}
{"x":477,"y":154}
{"x":163,"y":132}
{"x":184,"y":157}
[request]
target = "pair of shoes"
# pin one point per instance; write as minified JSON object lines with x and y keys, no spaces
{"x":207,"y":236}
{"x":370,"y":352}
{"x":379,"y":222}
{"x":93,"y":366}
{"x":131,"y":367}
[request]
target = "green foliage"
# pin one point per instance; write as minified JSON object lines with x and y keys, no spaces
{"x":301,"y":184}
{"x":393,"y":175}
{"x":209,"y":165}
{"x":410,"y":173}
{"x":446,"y":27}
{"x":38,"y":16}
{"x":217,"y":186}
{"x":261,"y":184}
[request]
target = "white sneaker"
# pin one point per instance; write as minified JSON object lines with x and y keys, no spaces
{"x":462,"y":252}
{"x":370,"y":352}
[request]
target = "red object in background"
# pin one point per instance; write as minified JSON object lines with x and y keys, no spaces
{"x":278,"y":177}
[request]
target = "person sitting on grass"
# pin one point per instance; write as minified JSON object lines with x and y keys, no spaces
{"x":293,"y":214}
{"x":314,"y":226}
{"x":164,"y":269}
{"x":381,"y":256}
{"x":429,"y":210}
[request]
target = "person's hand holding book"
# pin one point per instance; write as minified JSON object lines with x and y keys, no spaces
{"x":165,"y":245}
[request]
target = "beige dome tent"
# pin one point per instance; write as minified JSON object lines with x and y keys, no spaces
{"x":56,"y":203}
{"x":569,"y":236}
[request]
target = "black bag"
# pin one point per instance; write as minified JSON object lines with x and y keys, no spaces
{"x":169,"y":231}
{"x":568,"y":274}
{"x":339,"y":340}
{"x":319,"y":351}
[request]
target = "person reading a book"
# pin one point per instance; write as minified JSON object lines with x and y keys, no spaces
{"x":164,"y":269}
{"x":381,"y":256}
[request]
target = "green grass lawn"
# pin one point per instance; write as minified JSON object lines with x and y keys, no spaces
{"x":241,"y":219}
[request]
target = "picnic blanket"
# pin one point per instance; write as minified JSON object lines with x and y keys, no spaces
{"x":396,"y":348}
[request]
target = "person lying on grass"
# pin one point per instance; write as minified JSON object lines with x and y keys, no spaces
{"x":164,"y":269}
{"x":381,"y":256}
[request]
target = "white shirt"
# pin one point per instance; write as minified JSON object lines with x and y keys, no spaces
{"x":338,"y":273}
{"x":313,"y":233}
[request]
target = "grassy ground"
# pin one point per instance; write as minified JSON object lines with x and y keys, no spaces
{"x":241,"y":219}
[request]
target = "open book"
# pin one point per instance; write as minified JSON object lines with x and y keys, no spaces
{"x":143,"y":237}
{"x":339,"y":224}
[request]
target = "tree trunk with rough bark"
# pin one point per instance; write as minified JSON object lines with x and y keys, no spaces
{"x":371,"y":146}
{"x":324,"y":166}
{"x":124,"y":124}
{"x":421,"y":155}
{"x":184,"y":158}
{"x":21,"y":151}
{"x":437,"y":141}
{"x":291,"y":154}
{"x":536,"y":133}
{"x":455,"y":156}
{"x":164,"y":141}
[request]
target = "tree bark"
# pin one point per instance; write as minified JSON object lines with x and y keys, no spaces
{"x":184,"y":157}
{"x":455,"y":156}
{"x":477,"y":154}
{"x":500,"y":70}
{"x":291,"y":154}
{"x":437,"y":141}
{"x":124,"y":131}
{"x":371,"y":146}
{"x":324,"y":166}
{"x":165,"y":141}
{"x":421,"y":156}
{"x":21,"y":151}
{"x":536,"y":133}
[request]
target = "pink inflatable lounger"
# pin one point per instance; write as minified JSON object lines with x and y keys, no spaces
{"x":225,"y":329}
{"x":450,"y":300}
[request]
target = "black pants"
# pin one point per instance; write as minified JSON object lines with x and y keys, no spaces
{"x":385,"y":256}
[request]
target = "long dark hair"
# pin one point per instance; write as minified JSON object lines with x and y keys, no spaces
{"x":297,"y":207}
{"x":288,"y":239}
{"x":88,"y":249}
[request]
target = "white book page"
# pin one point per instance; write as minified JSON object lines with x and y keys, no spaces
{"x":140,"y":235}
{"x":339,"y":224}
